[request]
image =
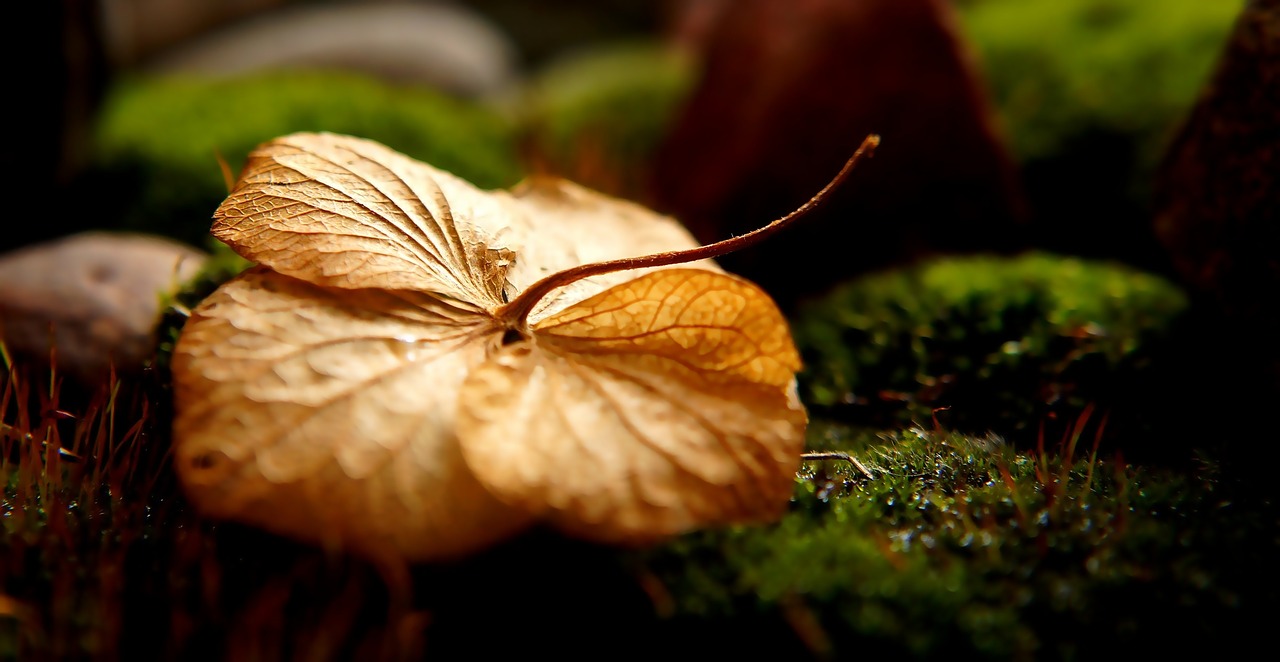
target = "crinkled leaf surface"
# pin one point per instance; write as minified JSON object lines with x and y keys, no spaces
{"x":657,"y":405}
{"x":362,"y":386}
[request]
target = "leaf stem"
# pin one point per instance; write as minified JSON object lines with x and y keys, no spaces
{"x":517,"y":311}
{"x":837,"y":455}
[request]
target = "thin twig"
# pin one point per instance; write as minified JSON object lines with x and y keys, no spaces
{"x":837,"y":455}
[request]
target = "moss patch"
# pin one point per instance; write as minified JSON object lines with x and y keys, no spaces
{"x":964,"y":549}
{"x":159,"y":140}
{"x":959,"y":547}
{"x":996,"y":343}
{"x":223,"y":265}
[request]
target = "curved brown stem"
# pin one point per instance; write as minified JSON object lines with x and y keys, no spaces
{"x":837,"y":455}
{"x":517,"y":311}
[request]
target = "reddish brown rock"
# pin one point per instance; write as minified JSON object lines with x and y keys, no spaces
{"x":1218,"y":214}
{"x":1219,"y":189}
{"x":789,"y":89}
{"x":95,"y":297}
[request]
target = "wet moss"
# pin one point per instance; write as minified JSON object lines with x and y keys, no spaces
{"x":993,"y":343}
{"x":961,"y":547}
{"x":158,"y":142}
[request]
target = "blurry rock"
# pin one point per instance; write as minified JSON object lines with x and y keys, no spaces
{"x":596,"y":115}
{"x":789,"y":90}
{"x":95,"y":296}
{"x":438,"y":44}
{"x":1218,"y":215}
{"x":545,"y":29}
{"x":1219,"y":199}
{"x":135,"y":30}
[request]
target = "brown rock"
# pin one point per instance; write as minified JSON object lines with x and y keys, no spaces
{"x":1219,"y":188}
{"x":789,"y":90}
{"x":95,"y":297}
{"x":1218,"y":214}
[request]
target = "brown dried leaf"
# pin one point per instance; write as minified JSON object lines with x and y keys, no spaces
{"x":563,"y":225}
{"x":368,"y":385}
{"x":657,"y":406}
{"x":329,"y":415}
{"x":346,"y":212}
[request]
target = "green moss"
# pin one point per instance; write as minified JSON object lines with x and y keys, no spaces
{"x":1005,"y":343}
{"x":597,"y":115}
{"x":959,"y":547}
{"x":159,"y":140}
{"x":223,"y":265}
{"x":962,"y":548}
{"x":1061,"y":69}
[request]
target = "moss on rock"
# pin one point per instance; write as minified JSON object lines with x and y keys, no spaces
{"x":1002,"y":343}
{"x":159,"y":140}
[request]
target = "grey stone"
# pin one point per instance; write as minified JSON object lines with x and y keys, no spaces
{"x":439,"y":44}
{"x":134,"y":31}
{"x":94,"y":297}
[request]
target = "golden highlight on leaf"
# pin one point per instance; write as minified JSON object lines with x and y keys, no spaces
{"x":350,"y":213}
{"x":418,"y":369}
{"x":655,"y":407}
{"x":328,"y":415}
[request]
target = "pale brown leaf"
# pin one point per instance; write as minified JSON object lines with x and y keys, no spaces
{"x":328,"y":415}
{"x":561,"y":225}
{"x":662,"y":404}
{"x":380,"y":383}
{"x":350,"y":213}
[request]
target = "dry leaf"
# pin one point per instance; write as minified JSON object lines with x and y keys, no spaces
{"x":656,"y":406}
{"x":417,"y":369}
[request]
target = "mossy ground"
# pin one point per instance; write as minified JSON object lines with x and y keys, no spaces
{"x":960,"y":546}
